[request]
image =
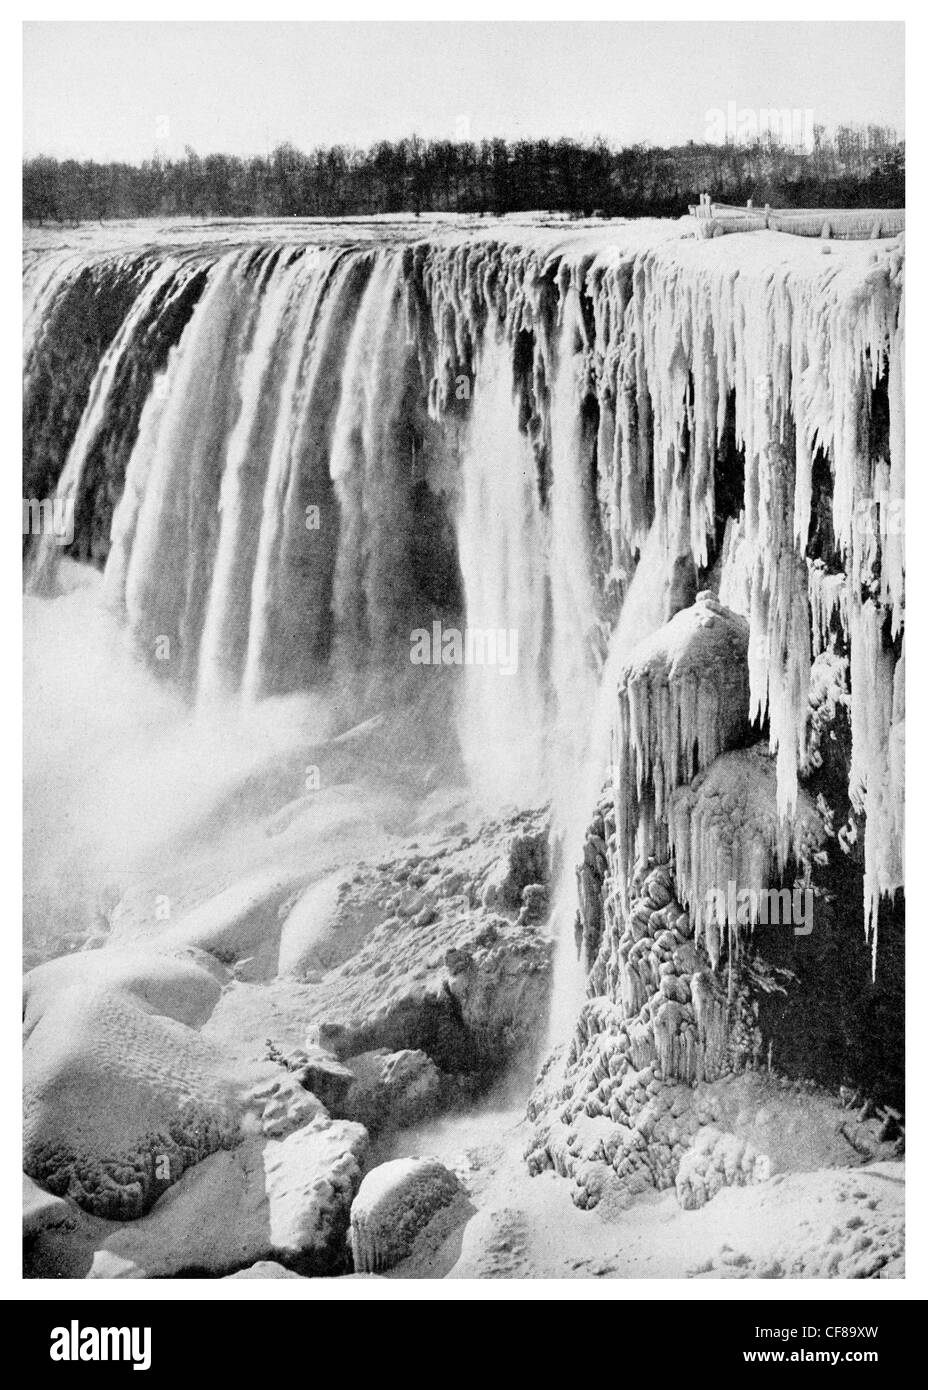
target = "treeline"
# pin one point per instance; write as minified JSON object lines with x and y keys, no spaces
{"x":852,"y":167}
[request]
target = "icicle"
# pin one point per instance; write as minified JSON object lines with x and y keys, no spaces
{"x":828,"y":603}
{"x":728,"y":838}
{"x":682,"y":699}
{"x":877,"y":757}
{"x":892,"y":531}
{"x":735,"y":577}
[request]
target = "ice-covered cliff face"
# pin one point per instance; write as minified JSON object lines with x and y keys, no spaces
{"x":288,"y":451}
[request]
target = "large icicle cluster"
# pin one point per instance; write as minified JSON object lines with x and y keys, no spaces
{"x":725,"y":829}
{"x":682,"y":700}
{"x":877,"y":782}
{"x":785,"y":341}
{"x":658,"y":1017}
{"x":827,"y":604}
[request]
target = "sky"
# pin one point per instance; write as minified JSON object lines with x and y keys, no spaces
{"x":126,"y":90}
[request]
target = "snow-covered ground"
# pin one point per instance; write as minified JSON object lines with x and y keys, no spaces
{"x":834,"y":1222}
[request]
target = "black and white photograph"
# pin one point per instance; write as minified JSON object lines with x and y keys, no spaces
{"x":463,"y":614}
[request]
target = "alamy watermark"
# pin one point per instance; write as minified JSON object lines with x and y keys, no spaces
{"x":475,"y":646}
{"x":732,"y":124}
{"x":881,"y":515}
{"x":49,"y":516}
{"x":76,"y":1342}
{"x":774,"y":907}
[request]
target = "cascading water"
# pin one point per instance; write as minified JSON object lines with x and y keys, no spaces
{"x":503,"y":544}
{"x":643,"y":610}
{"x":297,"y":456}
{"x":294,"y":389}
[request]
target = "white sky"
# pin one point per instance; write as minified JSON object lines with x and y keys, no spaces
{"x":121,"y":90}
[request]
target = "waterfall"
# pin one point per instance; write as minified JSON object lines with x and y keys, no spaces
{"x":290,"y":392}
{"x":289,"y":458}
{"x":283,"y":616}
{"x":503,"y":544}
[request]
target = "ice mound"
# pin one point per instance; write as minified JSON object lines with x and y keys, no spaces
{"x":395,"y":1204}
{"x":725,"y":829}
{"x":683,"y":698}
{"x":122,"y":1093}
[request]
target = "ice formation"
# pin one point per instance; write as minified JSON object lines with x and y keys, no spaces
{"x":725,"y":828}
{"x":534,"y":401}
{"x":395,"y":1204}
{"x":683,"y":698}
{"x":673,"y":335}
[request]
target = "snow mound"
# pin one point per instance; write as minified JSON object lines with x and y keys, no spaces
{"x":122,"y":1093}
{"x":286,"y":1201}
{"x":395,"y":1204}
{"x":715,"y":1161}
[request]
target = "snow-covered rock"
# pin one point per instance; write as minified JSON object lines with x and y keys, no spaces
{"x":145,"y":1057}
{"x":395,"y":1088}
{"x":43,"y":1211}
{"x":264,"y":1269}
{"x":122,"y":1093}
{"x":282,"y":1200}
{"x":322,"y":1073}
{"x":715,"y":1161}
{"x":285,"y":1200}
{"x":395,"y":1205}
{"x":464,"y":983}
{"x":525,"y":863}
{"x":287,"y":1106}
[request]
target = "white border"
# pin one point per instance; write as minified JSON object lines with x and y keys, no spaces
{"x":915,"y":1285}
